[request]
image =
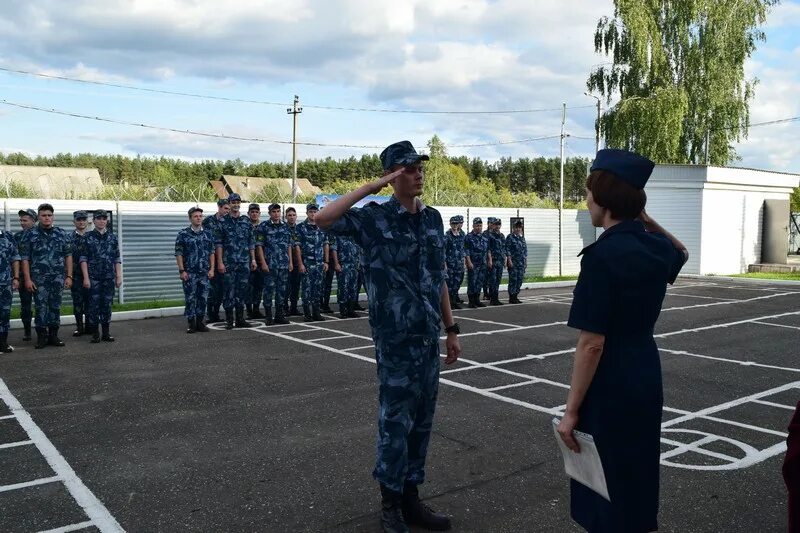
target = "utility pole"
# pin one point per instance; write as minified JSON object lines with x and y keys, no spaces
{"x":294,"y":111}
{"x":596,"y":124}
{"x":561,"y":196}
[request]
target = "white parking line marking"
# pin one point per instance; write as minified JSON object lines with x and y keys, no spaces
{"x":773,"y":404}
{"x":67,"y":529}
{"x":16,"y":444}
{"x":7,"y":417}
{"x":776,"y":325}
{"x":26,"y":484}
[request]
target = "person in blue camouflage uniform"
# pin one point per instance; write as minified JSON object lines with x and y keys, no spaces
{"x":80,"y":295}
{"x":476,"y":248}
{"x":101,"y":265}
{"x":9,"y":282}
{"x":274,"y":253}
{"x":256,"y":282}
{"x":403,"y":241}
{"x":194,"y":254}
{"x":27,"y":219}
{"x":217,"y":286}
{"x":454,"y":258}
{"x":293,"y":290}
{"x":236,"y":259}
{"x":327,"y":282}
{"x":517,"y":261}
{"x":347,"y":257}
{"x":487,"y":234}
{"x":311,"y":256}
{"x":46,"y":256}
{"x":497,"y":248}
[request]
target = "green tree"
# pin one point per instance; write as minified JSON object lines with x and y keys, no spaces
{"x":678,"y":69}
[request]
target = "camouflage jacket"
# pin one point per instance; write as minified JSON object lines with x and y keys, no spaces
{"x":347,"y":251}
{"x":235,"y":237}
{"x":475,"y":246}
{"x":454,"y":248}
{"x":497,"y":246}
{"x":196,"y":248}
{"x":8,"y":254}
{"x":404,"y":257}
{"x":46,"y":251}
{"x":76,"y":242}
{"x":100,"y":252}
{"x":276,"y":239}
{"x":311,"y":240}
{"x":517,"y":248}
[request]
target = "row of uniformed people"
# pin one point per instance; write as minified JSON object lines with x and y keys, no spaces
{"x":484,"y":254}
{"x":41,"y":260}
{"x":240,"y":262}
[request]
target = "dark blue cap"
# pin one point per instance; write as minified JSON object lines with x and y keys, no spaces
{"x":400,"y":153}
{"x":273,"y":207}
{"x":518,"y":224}
{"x":193,"y":210}
{"x":28,"y":213}
{"x":491,"y":220}
{"x":79,"y":214}
{"x":100,"y":213}
{"x":477,"y":220}
{"x":234,"y":197}
{"x":222,"y":201}
{"x":454,"y":220}
{"x":627,"y":166}
{"x":254,"y":206}
{"x":312,"y":207}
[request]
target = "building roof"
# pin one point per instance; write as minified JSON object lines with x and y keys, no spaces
{"x":52,"y":182}
{"x":249,"y":187}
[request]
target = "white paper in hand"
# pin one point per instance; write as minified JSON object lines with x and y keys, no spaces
{"x":585,"y":467}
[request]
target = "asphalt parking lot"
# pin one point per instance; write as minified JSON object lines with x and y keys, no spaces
{"x":273,"y":428}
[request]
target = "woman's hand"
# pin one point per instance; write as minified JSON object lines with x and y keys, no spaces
{"x":565,"y":429}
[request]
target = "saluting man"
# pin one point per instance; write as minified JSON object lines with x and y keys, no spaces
{"x":312,"y":259}
{"x":478,"y":262}
{"x":27,"y":218}
{"x":46,"y":256}
{"x":274,"y":250}
{"x":517,"y":261}
{"x":194,"y":254}
{"x":236,"y":258}
{"x":101,"y":265}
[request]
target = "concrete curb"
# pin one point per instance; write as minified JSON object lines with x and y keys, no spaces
{"x":754,"y":281}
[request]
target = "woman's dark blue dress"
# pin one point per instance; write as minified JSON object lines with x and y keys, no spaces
{"x":619,"y":293}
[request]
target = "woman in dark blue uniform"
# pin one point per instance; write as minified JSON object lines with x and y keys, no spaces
{"x":616,"y":393}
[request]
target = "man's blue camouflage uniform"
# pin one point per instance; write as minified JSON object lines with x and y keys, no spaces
{"x":276,"y":240}
{"x":8,"y":254}
{"x":256,"y":282}
{"x":80,"y":295}
{"x":196,"y":248}
{"x":476,"y":246}
{"x":349,"y":255}
{"x":497,"y":247}
{"x":46,"y":250}
{"x":327,"y":278}
{"x":217,"y":283}
{"x":518,"y":251}
{"x":293,"y":287}
{"x":311,"y":240}
{"x":25,"y":297}
{"x":235,"y":236}
{"x":404,"y":274}
{"x":100,"y":252}
{"x":454,"y":258}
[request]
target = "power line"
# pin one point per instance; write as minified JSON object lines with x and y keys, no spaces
{"x":265,"y":102}
{"x":240,"y":138}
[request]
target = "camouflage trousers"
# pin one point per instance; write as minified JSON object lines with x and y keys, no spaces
{"x":276,"y":282}
{"x":476,"y":278}
{"x":5,"y":307}
{"x":25,"y":305}
{"x":216,"y":291}
{"x":327,"y":287}
{"x":237,"y":286}
{"x":47,"y":301}
{"x":101,"y":295}
{"x":516,"y":274}
{"x":256,"y":287}
{"x":195,"y":292}
{"x":293,"y":290}
{"x":408,"y":378}
{"x":455,"y":277}
{"x":495,"y":275}
{"x":311,"y":285}
{"x":347,"y":284}
{"x":80,"y":297}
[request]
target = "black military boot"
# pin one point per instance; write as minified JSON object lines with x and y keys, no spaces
{"x":249,"y":309}
{"x":344,"y":309}
{"x":4,"y":346}
{"x":495,"y":300}
{"x":229,"y":319}
{"x":26,"y":325}
{"x":358,"y":307}
{"x":454,"y":304}
{"x":79,"y":328}
{"x":106,"y":335}
{"x":53,"y":339}
{"x":316,"y":314}
{"x":307,"y":313}
{"x":514,"y":299}
{"x":199,"y":325}
{"x":257,"y":310}
{"x":280,"y":316}
{"x":458,"y":299}
{"x":293,"y":310}
{"x":268,"y":321}
{"x":41,"y":338}
{"x":94,"y":329}
{"x":192,"y":326}
{"x":471,"y":298}
{"x":478,"y":302}
{"x":392,"y":520}
{"x":240,"y":321}
{"x":417,"y":513}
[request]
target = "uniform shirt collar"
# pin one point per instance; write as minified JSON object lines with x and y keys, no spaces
{"x":626,"y":226}
{"x":395,"y":204}
{"x":198,"y":230}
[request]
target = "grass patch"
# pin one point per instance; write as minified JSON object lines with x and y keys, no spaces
{"x":788,"y":276}
{"x":66,"y":310}
{"x":544,"y":279}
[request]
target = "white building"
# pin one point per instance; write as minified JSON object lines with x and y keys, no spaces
{"x":716,"y":211}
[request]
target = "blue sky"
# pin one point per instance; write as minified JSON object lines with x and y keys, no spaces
{"x":432,"y":55}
